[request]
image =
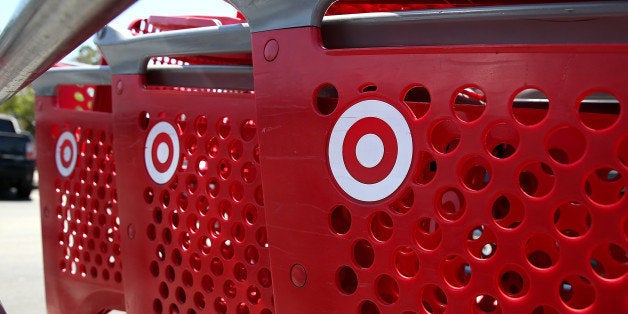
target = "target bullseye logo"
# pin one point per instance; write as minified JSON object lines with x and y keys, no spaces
{"x":66,"y":153}
{"x":370,"y":150}
{"x":161,"y":152}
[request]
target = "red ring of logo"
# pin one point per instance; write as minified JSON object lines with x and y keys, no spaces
{"x":66,"y":144}
{"x":162,"y":138}
{"x":362,"y":127}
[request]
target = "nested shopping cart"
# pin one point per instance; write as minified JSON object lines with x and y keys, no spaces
{"x":432,"y":160}
{"x":464,"y":160}
{"x":188,"y":132}
{"x":78,"y":194}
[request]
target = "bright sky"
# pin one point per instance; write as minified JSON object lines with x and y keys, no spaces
{"x":141,"y":9}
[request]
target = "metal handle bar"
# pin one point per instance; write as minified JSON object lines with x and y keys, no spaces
{"x":129,"y":55}
{"x":46,"y":84}
{"x":41,"y":34}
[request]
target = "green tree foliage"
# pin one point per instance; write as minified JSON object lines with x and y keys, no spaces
{"x":22,"y":107}
{"x":88,"y":55}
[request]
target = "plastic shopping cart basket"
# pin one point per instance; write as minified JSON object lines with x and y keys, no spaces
{"x":78,"y":193}
{"x":194,"y":235}
{"x":463,"y":160}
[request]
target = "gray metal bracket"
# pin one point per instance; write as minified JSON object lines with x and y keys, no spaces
{"x":264,"y":15}
{"x":194,"y":76}
{"x":202,"y":76}
{"x":597,"y":22}
{"x":46,"y":84}
{"x":129,"y":55}
{"x":474,"y":25}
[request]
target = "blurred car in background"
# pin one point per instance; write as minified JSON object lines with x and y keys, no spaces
{"x":17,"y":157}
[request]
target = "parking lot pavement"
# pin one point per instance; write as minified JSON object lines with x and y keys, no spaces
{"x":21,"y":264}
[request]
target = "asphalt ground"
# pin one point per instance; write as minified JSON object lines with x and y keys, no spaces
{"x":21,"y":261}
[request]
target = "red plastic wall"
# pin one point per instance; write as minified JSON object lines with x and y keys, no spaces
{"x":78,"y":97}
{"x":194,"y":237}
{"x":507,"y":206}
{"x":79,"y":209}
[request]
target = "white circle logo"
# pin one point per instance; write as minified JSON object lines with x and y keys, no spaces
{"x":370,"y":150}
{"x":66,"y":153}
{"x":161,"y":152}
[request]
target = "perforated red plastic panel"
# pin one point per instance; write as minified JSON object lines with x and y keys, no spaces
{"x":77,"y":97}
{"x":195,"y":233}
{"x":80,"y":223}
{"x":458,"y":179}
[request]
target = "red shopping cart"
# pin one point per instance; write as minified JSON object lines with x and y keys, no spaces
{"x":78,"y":194}
{"x":195,"y":237}
{"x":464,"y":160}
